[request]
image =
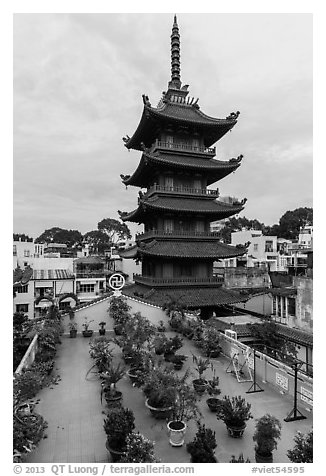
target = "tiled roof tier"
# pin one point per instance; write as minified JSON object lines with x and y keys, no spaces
{"x":295,"y":335}
{"x":44,"y":274}
{"x":182,"y":114}
{"x":190,"y":249}
{"x":149,"y":164}
{"x":189,"y":297}
{"x":283,"y":291}
{"x":213,"y":208}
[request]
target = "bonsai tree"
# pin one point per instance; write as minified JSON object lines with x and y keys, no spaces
{"x":302,"y":451}
{"x":160,"y":387}
{"x":239,"y":460}
{"x":159,"y":343}
{"x":87,"y":332}
{"x":73,"y":328}
{"x":102,"y":325}
{"x":139,"y":450}
{"x":172,"y":345}
{"x":119,"y":310}
{"x":177,"y":360}
{"x":118,"y":425}
{"x":203,"y":445}
{"x":141,"y":366}
{"x":139,"y":330}
{"x":110,"y":377}
{"x":210,"y":342}
{"x":234,"y":412}
{"x":213,"y":391}
{"x":201,"y":365}
{"x":101,"y":352}
{"x":161,"y":326}
{"x":267,"y":432}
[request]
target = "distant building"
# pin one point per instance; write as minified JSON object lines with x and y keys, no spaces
{"x":262,"y":249}
{"x":50,"y":285}
{"x":90,"y":275}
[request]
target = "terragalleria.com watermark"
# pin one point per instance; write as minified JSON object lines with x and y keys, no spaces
{"x":63,"y":469}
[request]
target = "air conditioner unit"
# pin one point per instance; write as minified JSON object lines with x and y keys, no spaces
{"x":230,"y":333}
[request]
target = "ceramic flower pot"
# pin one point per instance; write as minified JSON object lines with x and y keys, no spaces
{"x":235,"y":431}
{"x":263,"y":458}
{"x":159,"y":413}
{"x":114,"y":454}
{"x":200,"y":386}
{"x":177,"y":431}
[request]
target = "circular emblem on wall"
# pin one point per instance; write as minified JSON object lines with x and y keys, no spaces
{"x":116,"y":281}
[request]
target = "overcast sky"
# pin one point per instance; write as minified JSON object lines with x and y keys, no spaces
{"x":78,"y":81}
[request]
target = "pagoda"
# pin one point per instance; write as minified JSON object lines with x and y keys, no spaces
{"x":177,"y":248}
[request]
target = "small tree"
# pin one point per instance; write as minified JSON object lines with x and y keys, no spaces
{"x":268,"y":431}
{"x":302,"y":451}
{"x":139,"y":450}
{"x":119,"y":309}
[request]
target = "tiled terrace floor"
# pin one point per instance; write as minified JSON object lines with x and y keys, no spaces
{"x":75,"y":416}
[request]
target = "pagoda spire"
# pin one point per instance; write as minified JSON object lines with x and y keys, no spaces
{"x":175,"y":56}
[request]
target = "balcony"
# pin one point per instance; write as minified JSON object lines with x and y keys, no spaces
{"x":180,"y":281}
{"x":178,"y":234}
{"x":90,"y":274}
{"x":202,"y":192}
{"x":172,"y":146}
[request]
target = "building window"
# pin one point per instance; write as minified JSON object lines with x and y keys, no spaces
{"x":87,"y":288}
{"x":268,"y":246}
{"x":26,"y":253}
{"x":23,"y":289}
{"x":21,"y":307}
{"x":255,"y":246}
{"x":291,"y":306}
{"x":274,"y":310}
{"x":15,"y":250}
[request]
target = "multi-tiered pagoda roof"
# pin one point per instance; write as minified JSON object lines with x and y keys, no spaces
{"x":177,"y":164}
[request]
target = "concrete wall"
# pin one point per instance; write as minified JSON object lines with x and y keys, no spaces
{"x":304,"y":303}
{"x":261,"y":303}
{"x":278,"y":375}
{"x":246,"y":278}
{"x":97,"y":312}
{"x":153,"y":313}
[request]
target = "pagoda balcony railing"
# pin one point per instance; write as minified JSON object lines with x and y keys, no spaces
{"x":90,"y":274}
{"x":177,"y":234}
{"x":158,"y":144}
{"x":202,"y":192}
{"x":180,"y":281}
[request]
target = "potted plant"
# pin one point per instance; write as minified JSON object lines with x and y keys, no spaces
{"x":302,"y":451}
{"x":210,"y":342}
{"x":141,"y":365}
{"x":202,"y":447}
{"x":101,"y":330}
{"x":213,"y":391}
{"x":187,"y":329}
{"x":267,"y":432}
{"x":239,"y":460}
{"x":234,"y":412}
{"x":178,"y":360}
{"x":101,"y":352}
{"x":161,"y":326}
{"x":184,"y":409}
{"x":139,"y":450}
{"x":118,"y":425}
{"x":87,"y":332}
{"x":160,"y":390}
{"x":110,"y":377}
{"x":119,"y":311}
{"x":172,"y":345}
{"x":201,"y":365}
{"x":159,"y":343}
{"x":73,"y":329}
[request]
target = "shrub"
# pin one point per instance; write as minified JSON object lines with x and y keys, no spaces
{"x":203,"y":445}
{"x":302,"y":451}
{"x":239,"y":460}
{"x":139,"y":450}
{"x":118,"y":425}
{"x":119,"y":309}
{"x":268,"y":431}
{"x":234,"y":412}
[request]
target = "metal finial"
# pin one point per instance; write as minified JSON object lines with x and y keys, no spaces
{"x":175,"y":55}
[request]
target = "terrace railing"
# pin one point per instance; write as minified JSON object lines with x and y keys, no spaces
{"x":202,"y":192}
{"x":178,"y":280}
{"x":177,"y":234}
{"x":173,"y":146}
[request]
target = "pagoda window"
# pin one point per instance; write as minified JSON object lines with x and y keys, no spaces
{"x":197,"y":184}
{"x":167,"y":270}
{"x":168,"y":225}
{"x":200,"y":226}
{"x":168,"y":182}
{"x":184,"y":269}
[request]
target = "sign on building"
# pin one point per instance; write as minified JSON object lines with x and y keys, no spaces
{"x":306,"y":395}
{"x":282,"y":381}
